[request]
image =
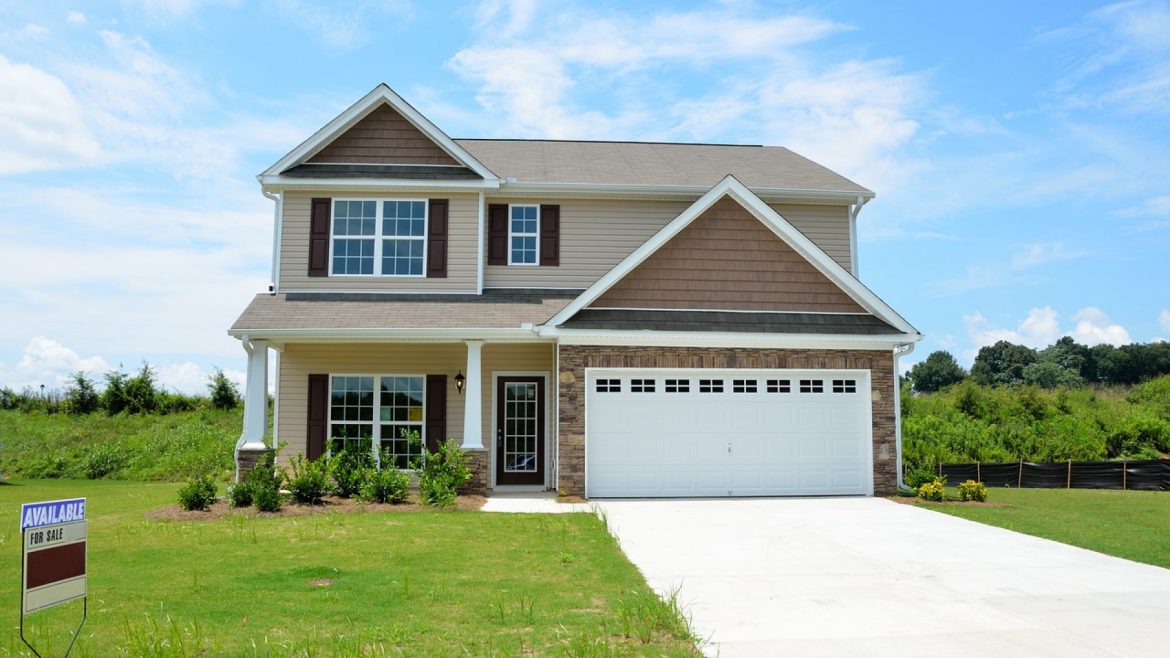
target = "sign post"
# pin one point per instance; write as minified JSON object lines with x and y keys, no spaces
{"x":53,"y":559}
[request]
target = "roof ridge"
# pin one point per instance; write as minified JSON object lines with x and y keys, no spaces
{"x":608,"y":141}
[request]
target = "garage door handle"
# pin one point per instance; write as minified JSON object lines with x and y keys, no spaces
{"x":729,"y":447}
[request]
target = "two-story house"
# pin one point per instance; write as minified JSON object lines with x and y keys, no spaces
{"x":598,"y":318}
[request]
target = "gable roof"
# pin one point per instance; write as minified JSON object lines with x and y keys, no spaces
{"x":733,"y":188}
{"x":379,"y":97}
{"x":698,"y":166}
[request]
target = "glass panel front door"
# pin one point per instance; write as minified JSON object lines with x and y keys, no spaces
{"x":520,"y":430}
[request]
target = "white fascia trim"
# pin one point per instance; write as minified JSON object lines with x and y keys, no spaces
{"x":730,"y":186}
{"x":367,"y":277}
{"x":277,"y":182}
{"x":421,"y":334}
{"x":724,"y":339}
{"x":519,"y":188}
{"x":718,"y":310}
{"x":358,"y":111}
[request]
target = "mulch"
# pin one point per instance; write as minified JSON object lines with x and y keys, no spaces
{"x":908,"y":500}
{"x":329,"y":505}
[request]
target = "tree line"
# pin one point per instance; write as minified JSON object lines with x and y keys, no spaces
{"x":123,"y":393}
{"x":1064,"y":364}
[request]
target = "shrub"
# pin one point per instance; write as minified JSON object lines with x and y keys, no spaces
{"x":309,"y":481}
{"x":933,"y":490}
{"x":916,"y":477}
{"x":442,"y":473}
{"x":198,"y":494}
{"x":388,"y":485}
{"x":104,"y":462}
{"x":240,"y":494}
{"x":223,"y":391}
{"x":972,"y":491}
{"x":267,"y":499}
{"x":82,"y":397}
{"x":349,"y":467}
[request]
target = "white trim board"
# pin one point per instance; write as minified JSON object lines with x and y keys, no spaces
{"x":360,"y":110}
{"x":731,"y":187}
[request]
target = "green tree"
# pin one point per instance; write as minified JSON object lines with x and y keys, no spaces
{"x":223,"y":391}
{"x":1048,"y":374}
{"x":937,"y":372}
{"x":82,"y":396}
{"x":141,"y":391}
{"x":1002,"y":363}
{"x":114,"y":399}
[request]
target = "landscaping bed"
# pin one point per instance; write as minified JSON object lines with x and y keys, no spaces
{"x":329,"y":505}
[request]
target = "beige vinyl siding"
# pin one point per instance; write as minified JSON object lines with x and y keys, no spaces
{"x":826,"y":226}
{"x":596,"y":234}
{"x":463,"y":222}
{"x":299,"y":360}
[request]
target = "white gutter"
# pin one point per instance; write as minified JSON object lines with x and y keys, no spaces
{"x":276,"y":231}
{"x":281,"y":182}
{"x":854,"y":211}
{"x":722,"y":338}
{"x":899,"y":352}
{"x":444,"y":334}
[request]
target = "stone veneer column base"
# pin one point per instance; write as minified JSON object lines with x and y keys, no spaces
{"x":247,"y":459}
{"x":477,"y":461}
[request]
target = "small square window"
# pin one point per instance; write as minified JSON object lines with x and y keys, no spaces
{"x":844,"y":385}
{"x":779,"y":386}
{"x":609,"y":386}
{"x":641,"y":385}
{"x":710,"y":385}
{"x":812,"y":386}
{"x":743,"y":386}
{"x":678,"y":386}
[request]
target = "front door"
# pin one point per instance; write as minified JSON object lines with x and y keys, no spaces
{"x":520,"y":430}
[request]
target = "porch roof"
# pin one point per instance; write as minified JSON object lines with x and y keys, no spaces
{"x":707,"y":321}
{"x":495,"y":309}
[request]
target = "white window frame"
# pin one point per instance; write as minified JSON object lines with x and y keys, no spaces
{"x":379,"y":238}
{"x":536,"y":258}
{"x":376,"y":431}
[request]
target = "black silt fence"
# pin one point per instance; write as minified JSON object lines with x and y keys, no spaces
{"x":1148,"y":475}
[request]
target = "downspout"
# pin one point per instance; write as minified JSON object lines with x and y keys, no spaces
{"x":278,"y":199}
{"x":854,"y":211}
{"x":479,"y":248}
{"x":247,"y":343}
{"x":899,"y":352}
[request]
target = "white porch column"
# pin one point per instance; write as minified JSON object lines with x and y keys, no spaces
{"x":255,"y":396}
{"x":473,"y":399}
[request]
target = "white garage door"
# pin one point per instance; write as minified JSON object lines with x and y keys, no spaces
{"x":652,"y":433}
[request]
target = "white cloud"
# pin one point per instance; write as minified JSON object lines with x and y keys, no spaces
{"x":41,"y":122}
{"x":191,"y":378}
{"x":46,"y":361}
{"x":75,"y":17}
{"x":1042,"y":327}
{"x":979,"y":277}
{"x":1164,"y":319}
{"x":1042,"y":253}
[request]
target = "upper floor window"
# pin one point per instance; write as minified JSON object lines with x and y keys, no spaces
{"x":523,"y":235}
{"x":379,"y":237}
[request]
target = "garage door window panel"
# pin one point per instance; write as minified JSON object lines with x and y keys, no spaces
{"x":710,"y":385}
{"x":779,"y":386}
{"x":812,"y":386}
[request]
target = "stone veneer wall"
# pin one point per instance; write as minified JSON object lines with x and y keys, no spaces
{"x":477,"y":461}
{"x":574,"y":359}
{"x":246,"y":460}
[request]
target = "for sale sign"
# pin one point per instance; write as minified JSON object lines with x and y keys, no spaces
{"x":54,"y":553}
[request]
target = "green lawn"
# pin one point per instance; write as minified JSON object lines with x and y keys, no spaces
{"x":1131,"y":524}
{"x":426,"y":583}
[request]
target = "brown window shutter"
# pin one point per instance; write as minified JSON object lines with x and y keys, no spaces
{"x":437,"y":239}
{"x":319,"y":237}
{"x":550,"y":235}
{"x":498,"y":234}
{"x":318,"y":416}
{"x":436,"y":417}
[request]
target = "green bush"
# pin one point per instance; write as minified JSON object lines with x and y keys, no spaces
{"x":198,"y":494}
{"x":240,"y":494}
{"x":82,"y":397}
{"x":349,"y":467}
{"x":267,"y":499}
{"x":104,"y":462}
{"x":973,"y":491}
{"x":309,"y":481}
{"x":934,"y":490}
{"x":916,"y":477}
{"x":388,"y":485}
{"x":223,"y":392}
{"x":442,"y":473}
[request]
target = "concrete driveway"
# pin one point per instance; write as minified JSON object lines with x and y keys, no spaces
{"x":870,"y":577}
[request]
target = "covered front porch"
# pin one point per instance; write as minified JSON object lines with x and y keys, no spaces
{"x":496,"y":398}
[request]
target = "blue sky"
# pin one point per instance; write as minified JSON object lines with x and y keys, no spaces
{"x":1020,"y":150}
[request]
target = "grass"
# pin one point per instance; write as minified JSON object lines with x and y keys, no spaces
{"x":147,"y":447}
{"x":1130,"y":524}
{"x":430,"y":583}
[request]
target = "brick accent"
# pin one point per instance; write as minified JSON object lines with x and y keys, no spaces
{"x":246,"y":460}
{"x":574,"y":359}
{"x":477,"y":461}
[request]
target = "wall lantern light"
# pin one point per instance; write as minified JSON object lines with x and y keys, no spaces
{"x":460,"y":380}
